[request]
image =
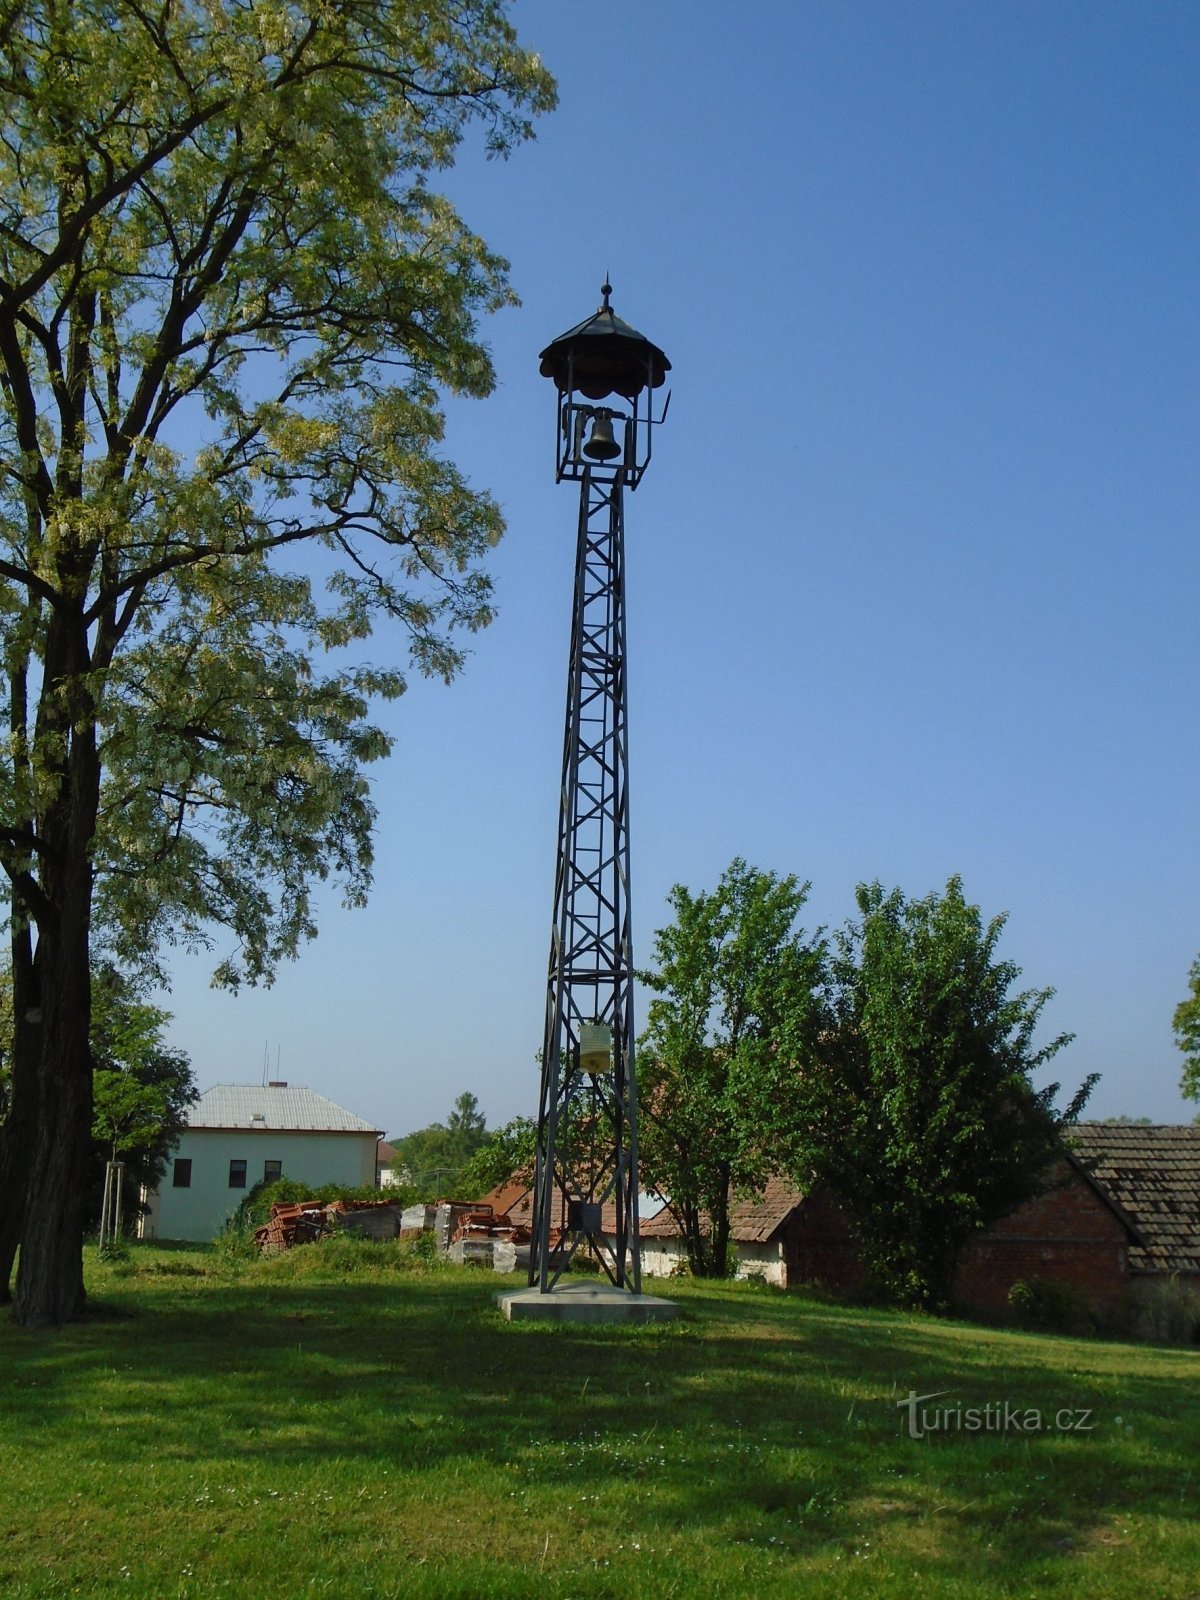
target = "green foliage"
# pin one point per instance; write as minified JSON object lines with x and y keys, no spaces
{"x":125,"y":1112}
{"x":235,"y":1245}
{"x":342,"y":1257}
{"x":1186,"y":1025}
{"x":424,"y":1248}
{"x":230,"y":303}
{"x":737,"y":1016}
{"x":257,"y":295}
{"x":434,"y":1157}
{"x":585,"y":1263}
{"x":141,"y":1088}
{"x":1051,"y":1307}
{"x":920,"y":1110}
{"x":508,"y":1152}
{"x":1162,"y":1311}
{"x":466,"y":1121}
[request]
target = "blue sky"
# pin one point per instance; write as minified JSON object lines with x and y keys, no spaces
{"x":913,"y":577}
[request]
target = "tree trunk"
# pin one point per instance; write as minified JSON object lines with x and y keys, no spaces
{"x":16,"y":1136}
{"x":693,"y":1235}
{"x":50,"y":1273}
{"x":720,"y":1243}
{"x":719,"y":1225}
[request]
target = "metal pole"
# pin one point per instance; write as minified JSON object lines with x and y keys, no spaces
{"x":104,"y":1203}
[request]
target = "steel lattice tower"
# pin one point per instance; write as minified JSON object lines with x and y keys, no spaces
{"x":585,"y":1186}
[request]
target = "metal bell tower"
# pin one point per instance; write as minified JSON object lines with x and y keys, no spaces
{"x":585,"y":1186}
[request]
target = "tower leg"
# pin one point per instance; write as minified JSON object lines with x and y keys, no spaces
{"x":585,"y":1180}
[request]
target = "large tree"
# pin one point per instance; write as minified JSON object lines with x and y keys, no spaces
{"x":1186,"y":1024}
{"x":508,"y":1153}
{"x":920,"y":1111}
{"x":433,"y":1157}
{"x":229,"y":298}
{"x":736,"y":1017}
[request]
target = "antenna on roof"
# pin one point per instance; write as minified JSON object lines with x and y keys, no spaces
{"x":266,"y":1048}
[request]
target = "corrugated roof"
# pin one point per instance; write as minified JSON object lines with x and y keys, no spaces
{"x":1153,"y":1174}
{"x":274,"y":1108}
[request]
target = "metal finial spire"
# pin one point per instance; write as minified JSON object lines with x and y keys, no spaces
{"x":606,"y":290}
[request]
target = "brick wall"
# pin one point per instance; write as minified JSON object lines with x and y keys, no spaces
{"x":818,"y":1248}
{"x":1067,"y":1236}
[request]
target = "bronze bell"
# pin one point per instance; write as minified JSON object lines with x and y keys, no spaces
{"x":602,"y":446}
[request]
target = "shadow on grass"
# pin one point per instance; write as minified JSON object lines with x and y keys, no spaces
{"x":757,"y":1417}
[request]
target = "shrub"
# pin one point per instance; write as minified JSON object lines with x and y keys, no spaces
{"x":1163,"y":1311}
{"x":583,"y":1261}
{"x":1050,"y":1307}
{"x":235,"y":1244}
{"x":424,"y":1248}
{"x":343,"y":1256}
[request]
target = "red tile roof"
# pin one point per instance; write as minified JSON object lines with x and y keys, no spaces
{"x":1150,"y":1175}
{"x":751,"y":1221}
{"x":516,"y":1199}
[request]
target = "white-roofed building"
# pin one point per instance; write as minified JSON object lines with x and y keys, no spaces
{"x":239,"y":1135}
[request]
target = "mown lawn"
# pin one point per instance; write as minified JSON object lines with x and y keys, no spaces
{"x":367,"y":1431}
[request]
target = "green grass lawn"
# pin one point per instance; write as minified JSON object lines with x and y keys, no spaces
{"x":327,"y":1425}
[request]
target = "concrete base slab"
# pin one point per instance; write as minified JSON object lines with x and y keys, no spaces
{"x":585,"y":1302}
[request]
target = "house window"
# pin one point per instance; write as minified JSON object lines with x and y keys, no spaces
{"x":181,"y":1174}
{"x":237,"y":1174}
{"x":272,"y":1171}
